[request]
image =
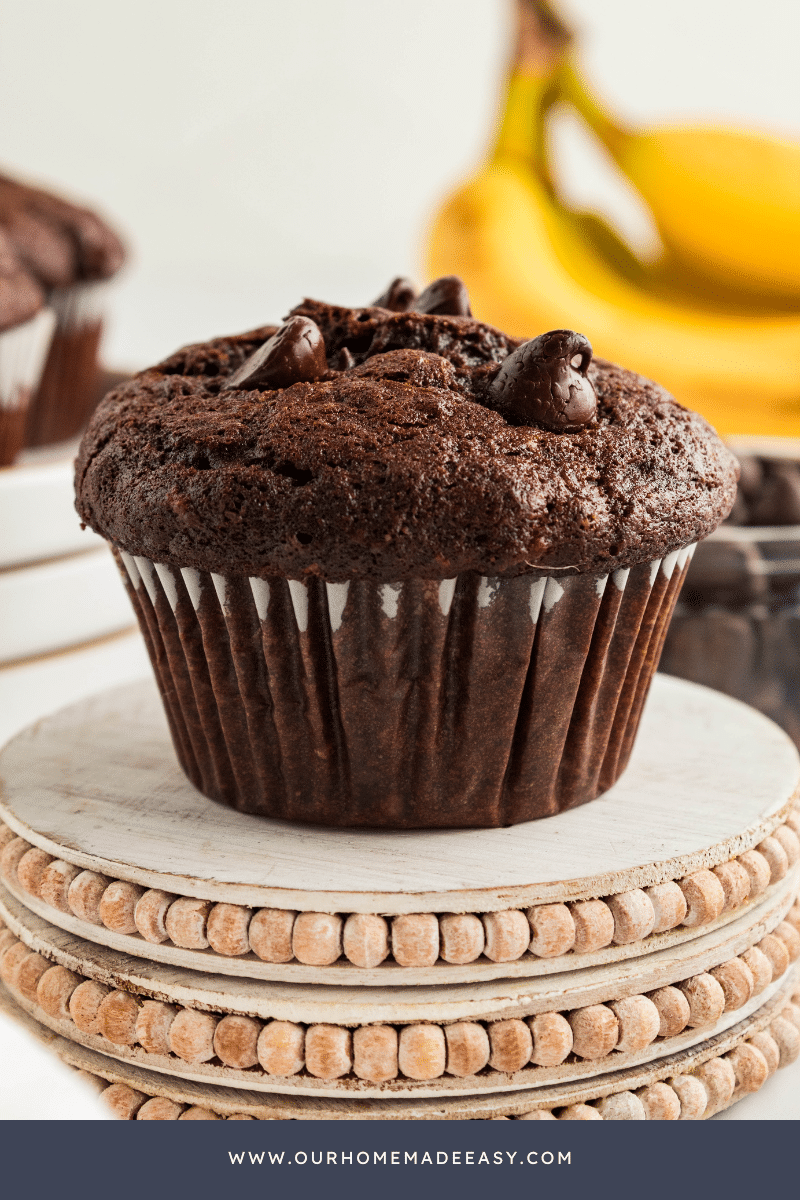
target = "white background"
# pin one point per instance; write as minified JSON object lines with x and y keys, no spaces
{"x":257,"y":150}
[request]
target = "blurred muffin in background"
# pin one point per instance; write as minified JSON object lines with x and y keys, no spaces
{"x":71,"y":253}
{"x":26,"y":325}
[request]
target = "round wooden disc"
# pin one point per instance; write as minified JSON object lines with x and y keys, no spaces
{"x":354,"y":1007}
{"x":490,"y":1000}
{"x":98,"y":785}
{"x":388,"y":973}
{"x":227,"y":1101}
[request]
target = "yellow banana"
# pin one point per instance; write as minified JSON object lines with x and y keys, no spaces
{"x":530,"y":265}
{"x":726,"y":202}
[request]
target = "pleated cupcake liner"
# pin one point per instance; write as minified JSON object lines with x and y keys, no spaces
{"x":465,"y":702}
{"x":22,"y":355}
{"x":67,"y":391}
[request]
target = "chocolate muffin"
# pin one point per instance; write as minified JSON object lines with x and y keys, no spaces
{"x":396,"y":569}
{"x":71,"y":253}
{"x":25,"y":329}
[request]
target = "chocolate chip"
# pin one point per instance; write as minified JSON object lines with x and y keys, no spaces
{"x":294,"y":354}
{"x":544,"y":383}
{"x":398,"y":297}
{"x":445,"y":297}
{"x":343,"y":361}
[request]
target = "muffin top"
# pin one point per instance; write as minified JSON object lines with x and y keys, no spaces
{"x":20,"y":295}
{"x":60,"y":243}
{"x":410,"y":444}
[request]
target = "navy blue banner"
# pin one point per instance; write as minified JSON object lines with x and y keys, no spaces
{"x":412,"y":1160}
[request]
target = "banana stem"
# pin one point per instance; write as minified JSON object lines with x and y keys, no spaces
{"x":541,"y":43}
{"x":542,"y":37}
{"x":522,"y":127}
{"x":572,"y":88}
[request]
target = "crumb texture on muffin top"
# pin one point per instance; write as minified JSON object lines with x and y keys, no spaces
{"x":393,"y":463}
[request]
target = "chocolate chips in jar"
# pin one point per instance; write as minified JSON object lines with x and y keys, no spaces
{"x":728,"y":573}
{"x":769,"y":492}
{"x":736,"y":627}
{"x":778,"y":499}
{"x":713,"y":647}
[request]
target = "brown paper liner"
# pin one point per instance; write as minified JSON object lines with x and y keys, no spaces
{"x":427,"y":704}
{"x":12,"y":429}
{"x":68,"y":390}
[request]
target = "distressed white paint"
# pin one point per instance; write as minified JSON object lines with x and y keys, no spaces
{"x":337,"y":599}
{"x":168,"y":583}
{"x":191,"y":578}
{"x":728,"y":773}
{"x":299,"y":593}
{"x":447,"y":590}
{"x":260,"y":590}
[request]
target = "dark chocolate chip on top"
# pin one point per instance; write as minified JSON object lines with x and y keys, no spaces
{"x":544,"y":382}
{"x":294,"y":354}
{"x":398,"y":297}
{"x":444,"y":297}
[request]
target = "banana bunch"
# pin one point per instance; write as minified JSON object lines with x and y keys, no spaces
{"x":716,"y":319}
{"x":726,"y":202}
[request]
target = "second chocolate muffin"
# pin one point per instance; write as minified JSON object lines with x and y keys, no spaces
{"x":72,"y":253}
{"x":395,"y":568}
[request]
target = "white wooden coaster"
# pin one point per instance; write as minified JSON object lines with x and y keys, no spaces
{"x":368,"y":949}
{"x":97,"y":788}
{"x":692,"y":1084}
{"x":61,"y":602}
{"x":377,"y":1041}
{"x":488,"y":1000}
{"x":99,"y":784}
{"x":37,"y":508}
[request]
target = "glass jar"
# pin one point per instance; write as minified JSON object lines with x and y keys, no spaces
{"x":736,"y":627}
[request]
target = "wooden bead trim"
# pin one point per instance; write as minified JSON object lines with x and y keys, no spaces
{"x":694,"y":1096}
{"x":410,"y":940}
{"x":417,"y":1051}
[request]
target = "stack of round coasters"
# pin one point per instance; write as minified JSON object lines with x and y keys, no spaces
{"x":59,"y":586}
{"x":630,"y":959}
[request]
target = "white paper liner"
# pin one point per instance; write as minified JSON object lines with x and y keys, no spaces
{"x":22,"y":354}
{"x":460,"y":702}
{"x":80,"y":304}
